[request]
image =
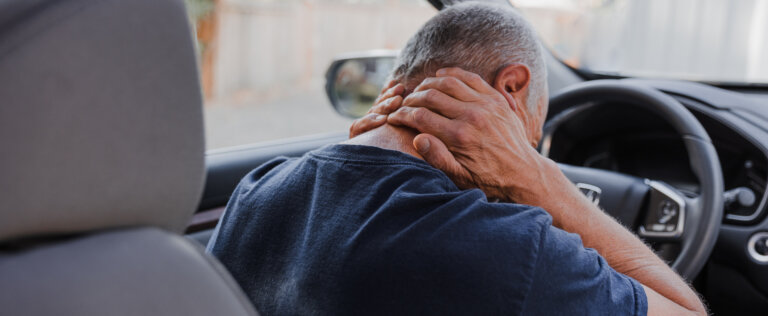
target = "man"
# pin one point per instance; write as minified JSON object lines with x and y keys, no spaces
{"x":368,"y":227}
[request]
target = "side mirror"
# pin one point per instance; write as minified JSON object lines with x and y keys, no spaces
{"x":353,"y":81}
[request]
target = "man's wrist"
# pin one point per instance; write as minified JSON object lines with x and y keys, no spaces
{"x":549,"y":189}
{"x":536,"y":187}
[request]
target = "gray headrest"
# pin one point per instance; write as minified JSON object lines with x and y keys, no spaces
{"x":100,"y":116}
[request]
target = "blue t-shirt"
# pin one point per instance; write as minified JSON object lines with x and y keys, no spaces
{"x":359,"y":230}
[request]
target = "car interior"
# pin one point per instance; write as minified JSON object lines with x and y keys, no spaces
{"x":109,"y":196}
{"x":110,"y":166}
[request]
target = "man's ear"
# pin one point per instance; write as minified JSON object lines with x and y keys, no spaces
{"x":512,"y":81}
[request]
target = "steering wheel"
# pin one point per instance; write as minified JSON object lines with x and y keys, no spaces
{"x":665,"y":215}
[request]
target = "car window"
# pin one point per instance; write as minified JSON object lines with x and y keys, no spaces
{"x":263,"y":62}
{"x":721,"y":41}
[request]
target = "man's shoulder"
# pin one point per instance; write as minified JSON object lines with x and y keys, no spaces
{"x":343,"y":156}
{"x":404,"y":186}
{"x":397,"y":198}
{"x":465,"y":226}
{"x":471,"y":210}
{"x":516,"y":228}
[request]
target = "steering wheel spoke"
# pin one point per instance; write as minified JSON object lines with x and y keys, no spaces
{"x":664,"y":219}
{"x":684,"y":229}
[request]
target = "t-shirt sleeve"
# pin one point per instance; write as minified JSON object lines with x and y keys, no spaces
{"x":570,"y":279}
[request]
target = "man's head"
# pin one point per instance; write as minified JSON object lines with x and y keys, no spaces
{"x":491,"y":40}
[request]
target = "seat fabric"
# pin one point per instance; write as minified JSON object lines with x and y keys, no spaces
{"x":102,"y":162}
{"x":144,"y":271}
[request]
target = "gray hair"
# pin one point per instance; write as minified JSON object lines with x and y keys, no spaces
{"x":478,"y":37}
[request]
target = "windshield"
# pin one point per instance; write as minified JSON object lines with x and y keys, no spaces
{"x":722,"y":41}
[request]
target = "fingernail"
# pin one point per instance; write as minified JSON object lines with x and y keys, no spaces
{"x":422,"y":146}
{"x":440,"y":72}
{"x":379,"y":117}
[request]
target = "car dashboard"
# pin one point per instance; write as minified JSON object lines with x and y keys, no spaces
{"x":622,"y":137}
{"x":631,"y":140}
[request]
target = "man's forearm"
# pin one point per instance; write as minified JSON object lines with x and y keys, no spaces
{"x":623,"y":251}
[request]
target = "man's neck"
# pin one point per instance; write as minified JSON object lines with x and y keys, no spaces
{"x":388,"y":137}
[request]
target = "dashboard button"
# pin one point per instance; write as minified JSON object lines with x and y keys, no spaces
{"x":757,"y":246}
{"x":665,"y":215}
{"x":761,"y":246}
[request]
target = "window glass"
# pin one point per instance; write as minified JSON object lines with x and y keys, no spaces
{"x":715,"y":40}
{"x":263,"y":61}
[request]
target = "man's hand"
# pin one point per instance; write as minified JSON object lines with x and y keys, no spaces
{"x":389,"y":100}
{"x":470,"y":131}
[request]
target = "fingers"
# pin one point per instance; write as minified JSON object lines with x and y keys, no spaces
{"x":387,"y":106}
{"x":376,"y":116}
{"x":451,"y":86}
{"x":471,"y":79}
{"x":387,"y":86}
{"x":366,"y":123}
{"x":436,"y":101}
{"x":389,"y":101}
{"x":397,"y":89}
{"x":437,"y":154}
{"x":425,"y":121}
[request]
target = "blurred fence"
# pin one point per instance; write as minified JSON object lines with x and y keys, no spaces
{"x":264,"y":49}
